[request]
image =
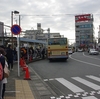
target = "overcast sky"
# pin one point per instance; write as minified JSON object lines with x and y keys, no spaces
{"x":58,"y":15}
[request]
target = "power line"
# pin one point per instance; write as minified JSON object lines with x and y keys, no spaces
{"x":39,"y":15}
{"x":46,"y":15}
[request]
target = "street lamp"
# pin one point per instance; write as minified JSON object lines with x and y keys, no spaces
{"x":13,"y":12}
{"x":18,"y":39}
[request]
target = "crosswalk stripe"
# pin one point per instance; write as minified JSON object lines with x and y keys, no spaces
{"x":93,"y":77}
{"x":87,"y":83}
{"x":69,"y":85}
{"x":89,"y":97}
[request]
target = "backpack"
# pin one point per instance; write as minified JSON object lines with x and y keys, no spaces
{"x":1,"y":72}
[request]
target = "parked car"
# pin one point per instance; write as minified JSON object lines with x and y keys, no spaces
{"x":93,"y":52}
{"x":80,"y":50}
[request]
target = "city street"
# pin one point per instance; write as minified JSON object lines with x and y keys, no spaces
{"x":77,"y":78}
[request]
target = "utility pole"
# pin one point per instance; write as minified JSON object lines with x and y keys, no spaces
{"x":11,"y":26}
{"x":48,"y":33}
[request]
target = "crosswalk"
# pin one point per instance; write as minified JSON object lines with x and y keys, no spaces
{"x":91,"y":82}
{"x":69,"y":85}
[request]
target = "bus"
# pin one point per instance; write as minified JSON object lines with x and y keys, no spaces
{"x":57,"y":48}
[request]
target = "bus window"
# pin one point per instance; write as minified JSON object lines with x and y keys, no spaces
{"x":56,"y":41}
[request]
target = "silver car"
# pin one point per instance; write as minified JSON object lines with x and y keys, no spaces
{"x":93,"y":52}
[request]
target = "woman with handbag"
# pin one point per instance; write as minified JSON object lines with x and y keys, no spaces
{"x":2,"y":61}
{"x":4,"y":82}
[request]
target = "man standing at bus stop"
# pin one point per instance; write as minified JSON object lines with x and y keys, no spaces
{"x":9,"y":56}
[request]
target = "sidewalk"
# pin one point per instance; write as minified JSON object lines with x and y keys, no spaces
{"x":17,"y":87}
{"x":22,"y":91}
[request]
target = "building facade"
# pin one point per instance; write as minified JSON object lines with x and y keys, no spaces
{"x":84,"y":30}
{"x":39,"y":35}
{"x":99,"y":38}
{"x":53,"y":35}
{"x":99,"y":35}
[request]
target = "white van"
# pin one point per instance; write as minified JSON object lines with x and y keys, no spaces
{"x":70,"y":51}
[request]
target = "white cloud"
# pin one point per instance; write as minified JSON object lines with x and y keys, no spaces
{"x":64,"y":11}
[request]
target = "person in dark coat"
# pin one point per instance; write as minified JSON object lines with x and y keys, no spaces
{"x":9,"y":57}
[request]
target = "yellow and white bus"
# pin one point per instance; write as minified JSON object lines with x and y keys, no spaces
{"x":57,"y":48}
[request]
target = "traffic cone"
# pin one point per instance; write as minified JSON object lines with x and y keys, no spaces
{"x":24,"y":68}
{"x":21,"y":62}
{"x":24,"y":63}
{"x":27,"y":75}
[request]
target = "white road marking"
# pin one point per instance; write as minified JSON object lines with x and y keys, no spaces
{"x":89,"y":97}
{"x":45,"y":79}
{"x":69,"y":85}
{"x":93,"y":92}
{"x":93,"y":77}
{"x":85,"y":62}
{"x":61,"y":96}
{"x":52,"y":97}
{"x":49,"y":79}
{"x":70,"y":95}
{"x":76,"y":96}
{"x":90,"y":56}
{"x":67,"y":97}
{"x":87,"y":83}
{"x":52,"y":79}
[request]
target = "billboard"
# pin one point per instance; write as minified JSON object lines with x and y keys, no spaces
{"x":83,"y":18}
{"x":1,"y":29}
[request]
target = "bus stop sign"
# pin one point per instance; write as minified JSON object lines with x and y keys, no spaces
{"x":15,"y":29}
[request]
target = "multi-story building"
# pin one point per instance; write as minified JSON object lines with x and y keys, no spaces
{"x":84,"y":30}
{"x":52,"y":35}
{"x":99,"y":38}
{"x":99,"y":35}
{"x":39,"y":35}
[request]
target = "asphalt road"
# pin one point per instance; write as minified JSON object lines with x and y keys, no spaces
{"x":78,"y":78}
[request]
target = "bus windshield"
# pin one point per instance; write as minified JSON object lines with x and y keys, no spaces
{"x":57,"y":41}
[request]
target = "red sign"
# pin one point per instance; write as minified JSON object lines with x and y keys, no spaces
{"x":83,"y":18}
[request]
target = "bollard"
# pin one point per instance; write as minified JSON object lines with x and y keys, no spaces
{"x":27,"y":74}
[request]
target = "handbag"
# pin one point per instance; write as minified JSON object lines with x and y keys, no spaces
{"x":1,"y":72}
{"x":6,"y":72}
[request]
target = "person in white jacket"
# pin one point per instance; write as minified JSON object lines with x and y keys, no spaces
{"x":4,"y":82}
